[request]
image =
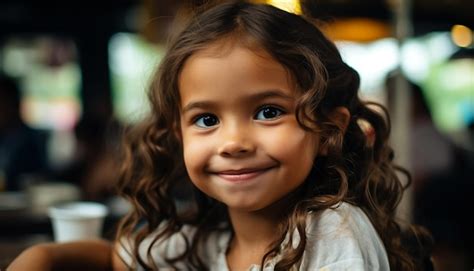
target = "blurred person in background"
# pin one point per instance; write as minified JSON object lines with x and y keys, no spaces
{"x":444,"y":184}
{"x":94,"y":166}
{"x":441,"y":177}
{"x":432,"y":151}
{"x":22,"y":149}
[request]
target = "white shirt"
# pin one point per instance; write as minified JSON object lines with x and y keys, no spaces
{"x":338,"y":239}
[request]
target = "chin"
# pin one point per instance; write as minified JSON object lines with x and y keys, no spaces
{"x":244,"y":206}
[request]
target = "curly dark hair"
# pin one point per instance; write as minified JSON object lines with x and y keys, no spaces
{"x":357,"y":169}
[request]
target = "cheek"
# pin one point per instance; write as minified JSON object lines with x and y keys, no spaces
{"x":195,"y":156}
{"x":196,"y":153}
{"x":292,"y":144}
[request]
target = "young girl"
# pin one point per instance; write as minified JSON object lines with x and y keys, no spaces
{"x":255,"y":108}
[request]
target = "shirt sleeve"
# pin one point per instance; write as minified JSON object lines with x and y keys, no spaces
{"x":160,"y":250}
{"x":343,"y":239}
{"x":356,"y":264}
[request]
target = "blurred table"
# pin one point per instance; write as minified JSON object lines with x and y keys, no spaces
{"x":22,"y":226}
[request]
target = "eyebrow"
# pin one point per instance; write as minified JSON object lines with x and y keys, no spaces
{"x":261,"y":95}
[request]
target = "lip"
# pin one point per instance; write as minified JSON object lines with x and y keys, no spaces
{"x":242,"y":175}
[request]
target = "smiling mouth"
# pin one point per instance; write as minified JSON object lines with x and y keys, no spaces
{"x":242,"y":175}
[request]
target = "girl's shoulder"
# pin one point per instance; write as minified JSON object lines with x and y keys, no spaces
{"x":343,"y":218}
{"x":343,"y":237}
{"x":171,"y":247}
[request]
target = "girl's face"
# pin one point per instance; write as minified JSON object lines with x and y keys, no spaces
{"x":241,"y":140}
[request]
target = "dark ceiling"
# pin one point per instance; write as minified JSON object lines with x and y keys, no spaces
{"x":20,"y":16}
{"x":74,"y":16}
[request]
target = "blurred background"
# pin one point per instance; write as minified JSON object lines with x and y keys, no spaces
{"x":73,"y":75}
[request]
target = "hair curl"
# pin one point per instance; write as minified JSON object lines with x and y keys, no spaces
{"x":357,"y":169}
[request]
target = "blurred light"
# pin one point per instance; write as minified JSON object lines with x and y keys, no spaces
{"x":16,"y":58}
{"x":132,"y":59}
{"x":292,"y":6}
{"x":440,"y":46}
{"x":419,"y":54}
{"x":50,"y":94}
{"x":415,"y":60}
{"x":358,"y":29}
{"x":57,"y":114}
{"x":373,"y":61}
{"x":449,"y":90}
{"x":461,"y":35}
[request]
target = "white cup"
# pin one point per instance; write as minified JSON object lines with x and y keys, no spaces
{"x":77,"y":220}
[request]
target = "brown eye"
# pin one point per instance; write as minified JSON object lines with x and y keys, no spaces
{"x":206,"y":121}
{"x":268,"y":112}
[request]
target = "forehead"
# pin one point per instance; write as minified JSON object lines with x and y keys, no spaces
{"x":230,"y":68}
{"x":225,"y":46}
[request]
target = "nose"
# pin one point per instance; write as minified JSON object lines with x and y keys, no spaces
{"x":236,"y":141}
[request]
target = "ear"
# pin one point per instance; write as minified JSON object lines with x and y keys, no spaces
{"x":340,"y":116}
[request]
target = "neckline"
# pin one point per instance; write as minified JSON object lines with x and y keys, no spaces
{"x":224,"y":243}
